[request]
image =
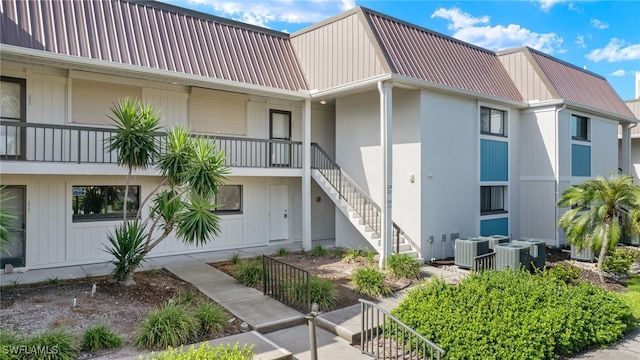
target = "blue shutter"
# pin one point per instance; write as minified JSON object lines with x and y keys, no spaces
{"x":494,"y":160}
{"x":494,"y":227}
{"x":580,"y":160}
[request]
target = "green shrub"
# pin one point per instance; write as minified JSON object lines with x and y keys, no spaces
{"x":336,"y":252}
{"x":56,"y":344}
{"x":318,"y":251}
{"x":235,"y":258}
{"x":185,"y":297}
{"x":497,"y":314}
{"x":403,"y":266}
{"x":322,"y":292}
{"x":211,"y":316}
{"x":351,"y":255}
{"x":564,"y":272}
{"x":620,"y":260}
{"x":170,"y":325}
{"x":100,"y":337}
{"x":127,"y":246}
{"x":370,"y":281}
{"x":250,"y":272}
{"x":205,"y":352}
{"x":282,"y":251}
{"x":9,"y":343}
{"x":369,"y":256}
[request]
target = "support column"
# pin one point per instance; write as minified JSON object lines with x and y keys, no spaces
{"x":386,"y":134}
{"x":306,"y":175}
{"x":625,"y":149}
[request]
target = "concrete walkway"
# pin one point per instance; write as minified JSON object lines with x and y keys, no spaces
{"x":278,"y":332}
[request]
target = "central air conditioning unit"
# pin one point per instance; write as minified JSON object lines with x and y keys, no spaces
{"x":511,"y":256}
{"x":630,"y":239}
{"x":466,"y":249}
{"x":585,"y":254}
{"x":495,"y":239}
{"x":537,"y":251}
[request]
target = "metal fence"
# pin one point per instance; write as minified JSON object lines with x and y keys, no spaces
{"x":385,"y":337}
{"x":286,"y":283}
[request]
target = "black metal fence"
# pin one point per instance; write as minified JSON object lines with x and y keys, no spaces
{"x":385,"y":337}
{"x":286,"y":283}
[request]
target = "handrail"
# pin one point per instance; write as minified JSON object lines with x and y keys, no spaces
{"x":22,"y":141}
{"x":371,"y":217}
{"x":484,"y":262}
{"x":383,"y":336}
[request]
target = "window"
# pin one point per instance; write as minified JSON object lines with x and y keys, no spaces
{"x":229,"y":199}
{"x":492,"y":199}
{"x":12,"y":109}
{"x":94,"y":203}
{"x":492,"y":122}
{"x":579,"y":128}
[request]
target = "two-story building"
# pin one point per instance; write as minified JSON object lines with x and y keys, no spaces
{"x":362,"y":128}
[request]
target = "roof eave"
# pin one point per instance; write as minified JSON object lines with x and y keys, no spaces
{"x":585,"y":108}
{"x":79,"y":63}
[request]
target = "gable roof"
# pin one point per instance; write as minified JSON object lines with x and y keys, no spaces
{"x":423,"y":54}
{"x":153,"y":35}
{"x":634,"y":106}
{"x":571,"y":83}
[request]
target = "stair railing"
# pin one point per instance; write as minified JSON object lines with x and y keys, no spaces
{"x":348,"y":190}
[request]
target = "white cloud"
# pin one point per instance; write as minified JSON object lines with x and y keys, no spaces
{"x":599,"y":24}
{"x":618,"y":73}
{"x":616,"y":50}
{"x":262,"y":13}
{"x":546,"y":5}
{"x":580,"y":41}
{"x":496,"y":37}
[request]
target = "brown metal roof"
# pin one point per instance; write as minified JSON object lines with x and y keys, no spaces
{"x":153,"y":35}
{"x":580,"y":86}
{"x":423,"y":54}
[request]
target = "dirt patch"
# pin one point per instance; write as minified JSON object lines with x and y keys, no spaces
{"x":330,"y":267}
{"x":34,"y":308}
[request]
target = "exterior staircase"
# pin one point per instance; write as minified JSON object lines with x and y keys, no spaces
{"x":362,"y":212}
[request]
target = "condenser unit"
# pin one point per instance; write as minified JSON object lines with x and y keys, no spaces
{"x":512,"y":256}
{"x":468,"y":248}
{"x":585,"y":254}
{"x":537,"y":251}
{"x":630,"y":239}
{"x":495,"y":239}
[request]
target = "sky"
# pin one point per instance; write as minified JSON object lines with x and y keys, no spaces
{"x":600,"y":36}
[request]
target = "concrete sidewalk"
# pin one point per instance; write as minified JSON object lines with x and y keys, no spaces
{"x":279,"y":332}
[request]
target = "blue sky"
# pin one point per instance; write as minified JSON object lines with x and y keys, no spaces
{"x":603,"y":36}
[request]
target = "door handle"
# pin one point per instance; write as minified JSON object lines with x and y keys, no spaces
{"x":285,"y":215}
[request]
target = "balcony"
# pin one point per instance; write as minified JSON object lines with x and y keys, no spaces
{"x":45,"y":143}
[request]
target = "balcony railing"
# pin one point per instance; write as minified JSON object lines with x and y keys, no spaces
{"x":21,"y":141}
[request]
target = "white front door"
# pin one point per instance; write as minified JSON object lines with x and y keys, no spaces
{"x":278,"y":212}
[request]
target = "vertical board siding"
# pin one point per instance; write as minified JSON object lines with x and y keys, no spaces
{"x":580,"y":160}
{"x":338,"y":53}
{"x":494,"y":160}
{"x":525,"y":77}
{"x":494,"y":227}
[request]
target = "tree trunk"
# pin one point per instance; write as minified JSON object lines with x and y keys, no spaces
{"x":128,"y":278}
{"x":603,"y":252}
{"x":126,"y":198}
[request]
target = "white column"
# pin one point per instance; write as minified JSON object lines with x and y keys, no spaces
{"x":306,"y":175}
{"x":625,"y":158}
{"x":386,"y":140}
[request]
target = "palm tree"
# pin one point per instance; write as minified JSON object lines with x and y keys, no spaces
{"x":192,"y":170}
{"x":596,"y":209}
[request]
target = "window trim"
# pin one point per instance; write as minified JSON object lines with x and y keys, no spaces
{"x":587,"y":120}
{"x":504,"y":209}
{"x":114,"y":216}
{"x":21,"y":148}
{"x":240,"y":201}
{"x":504,"y":133}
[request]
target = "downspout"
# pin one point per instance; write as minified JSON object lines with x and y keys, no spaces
{"x":557,"y":172}
{"x":386,"y":140}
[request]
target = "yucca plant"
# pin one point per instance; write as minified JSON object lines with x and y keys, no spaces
{"x":6,"y":217}
{"x":127,"y":248}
